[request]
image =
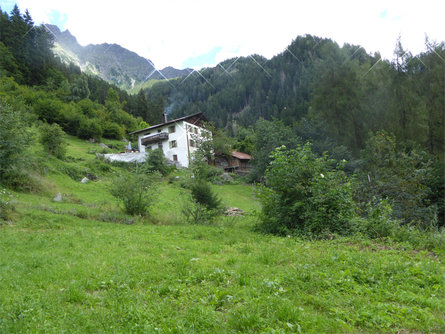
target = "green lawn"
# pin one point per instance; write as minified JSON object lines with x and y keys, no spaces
{"x":79,"y":267}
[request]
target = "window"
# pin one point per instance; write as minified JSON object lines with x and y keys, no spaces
{"x":175,"y":157}
{"x":160,"y":146}
{"x":192,"y":143}
{"x":196,"y":130}
{"x":173,"y":144}
{"x":148,"y":148}
{"x":159,"y":131}
{"x":171,"y":129}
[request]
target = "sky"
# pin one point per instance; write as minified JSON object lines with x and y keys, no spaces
{"x":202,"y":33}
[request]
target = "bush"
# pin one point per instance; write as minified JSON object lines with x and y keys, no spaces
{"x":48,"y":109}
{"x":6,"y":207}
{"x":379,"y":222}
{"x":90,"y":128}
{"x":51,"y":137}
{"x":20,"y":179}
{"x":113,"y":131}
{"x":156,"y":161}
{"x":135,"y":190}
{"x":14,"y":139}
{"x":305,"y":195}
{"x":400,"y":174}
{"x":205,"y":205}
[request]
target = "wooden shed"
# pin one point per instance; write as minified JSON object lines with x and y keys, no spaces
{"x":236,"y":162}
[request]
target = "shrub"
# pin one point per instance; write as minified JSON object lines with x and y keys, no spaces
{"x":21,"y":179}
{"x":399,"y":174}
{"x":203,"y":194}
{"x":51,"y":137}
{"x":113,"y":131}
{"x":89,"y":128}
{"x":205,"y":205}
{"x":304,"y":194}
{"x":48,"y":109}
{"x":14,"y":140}
{"x":6,"y":207}
{"x":156,"y":161}
{"x":379,"y":222}
{"x":135,"y":190}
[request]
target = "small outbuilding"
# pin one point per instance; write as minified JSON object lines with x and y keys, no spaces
{"x":236,"y":162}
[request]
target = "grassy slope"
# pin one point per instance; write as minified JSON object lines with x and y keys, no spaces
{"x":64,"y":270}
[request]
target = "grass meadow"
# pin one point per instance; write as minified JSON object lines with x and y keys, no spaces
{"x":82,"y":266}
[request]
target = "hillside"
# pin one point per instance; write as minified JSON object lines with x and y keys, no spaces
{"x":327,"y":93}
{"x":111,"y":62}
{"x":84,"y":266}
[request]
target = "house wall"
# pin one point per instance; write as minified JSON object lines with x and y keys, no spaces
{"x":184,"y":132}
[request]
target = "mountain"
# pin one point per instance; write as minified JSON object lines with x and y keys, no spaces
{"x":111,"y":62}
{"x":328,"y":93}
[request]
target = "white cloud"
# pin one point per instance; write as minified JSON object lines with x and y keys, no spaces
{"x":169,"y":32}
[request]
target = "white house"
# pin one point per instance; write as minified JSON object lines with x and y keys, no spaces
{"x":178,"y":138}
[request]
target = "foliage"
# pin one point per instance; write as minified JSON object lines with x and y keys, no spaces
{"x":399,"y":174}
{"x":89,"y":128}
{"x":51,"y":137}
{"x":135,"y":190}
{"x":379,"y":222}
{"x":14,"y":140}
{"x":203,"y":194}
{"x":203,"y":155}
{"x":156,"y":161}
{"x":112,"y":130}
{"x":205,"y":204}
{"x":305,"y":195}
{"x":6,"y":206}
{"x":268,"y":136}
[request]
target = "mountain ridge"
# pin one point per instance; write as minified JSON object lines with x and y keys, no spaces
{"x":111,"y":62}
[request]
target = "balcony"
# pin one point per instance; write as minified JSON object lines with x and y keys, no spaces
{"x":156,"y":138}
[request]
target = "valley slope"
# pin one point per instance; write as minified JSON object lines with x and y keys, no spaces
{"x":111,"y":62}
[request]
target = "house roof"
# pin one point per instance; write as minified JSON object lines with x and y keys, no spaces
{"x":198,"y":117}
{"x":240,"y":155}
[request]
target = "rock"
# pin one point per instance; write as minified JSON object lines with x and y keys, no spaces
{"x":234,"y":212}
{"x":58,"y":198}
{"x":103,"y":145}
{"x":91,"y":177}
{"x":84,"y":180}
{"x":219,"y":183}
{"x":125,"y":140}
{"x":226,"y":177}
{"x":92,"y":140}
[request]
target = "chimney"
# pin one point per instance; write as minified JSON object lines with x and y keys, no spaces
{"x":165,"y":117}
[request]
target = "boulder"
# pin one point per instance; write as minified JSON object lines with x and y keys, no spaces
{"x":234,"y":212}
{"x":84,"y":180}
{"x":58,"y":198}
{"x":226,"y":177}
{"x":103,"y":145}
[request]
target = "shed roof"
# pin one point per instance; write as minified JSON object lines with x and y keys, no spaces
{"x":240,"y":155}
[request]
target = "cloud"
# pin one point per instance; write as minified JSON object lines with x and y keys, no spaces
{"x":171,"y":32}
